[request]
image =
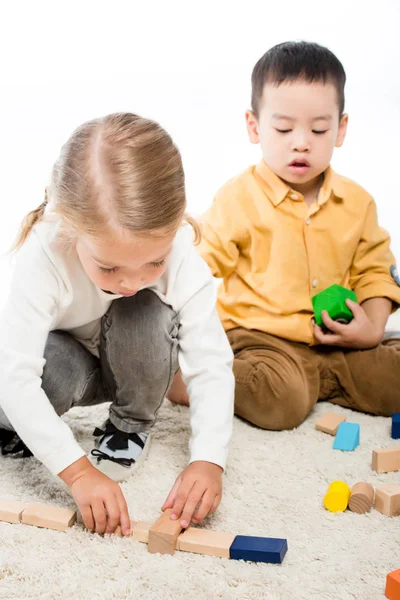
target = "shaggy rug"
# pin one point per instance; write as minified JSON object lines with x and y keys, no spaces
{"x":274,"y":485}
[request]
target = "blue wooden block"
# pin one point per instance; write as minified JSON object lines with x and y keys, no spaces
{"x":396,"y":426}
{"x":258,"y":549}
{"x":347,"y":436}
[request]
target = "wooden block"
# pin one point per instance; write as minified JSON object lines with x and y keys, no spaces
{"x":362,"y":497}
{"x":329,"y":423}
{"x":11,"y":510}
{"x":337,"y":497}
{"x":387,"y":499}
{"x":204,"y":541}
{"x":51,"y":517}
{"x":396,"y":426}
{"x":392,"y":590}
{"x":386,"y":460}
{"x":163,"y":535}
{"x":141,"y":532}
{"x":347,"y":436}
{"x":258,"y":549}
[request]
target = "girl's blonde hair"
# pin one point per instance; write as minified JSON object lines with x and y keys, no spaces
{"x":118,"y":172}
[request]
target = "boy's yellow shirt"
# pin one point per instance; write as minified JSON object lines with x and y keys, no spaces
{"x":274,"y":252}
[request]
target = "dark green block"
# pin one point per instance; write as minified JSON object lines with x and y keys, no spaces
{"x":333,"y":300}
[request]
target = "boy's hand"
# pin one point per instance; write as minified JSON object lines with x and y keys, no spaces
{"x":360,"y":333}
{"x":200,"y":482}
{"x":99,"y":498}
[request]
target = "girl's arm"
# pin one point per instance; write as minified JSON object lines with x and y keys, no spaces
{"x":205,"y":359}
{"x":25,"y":322}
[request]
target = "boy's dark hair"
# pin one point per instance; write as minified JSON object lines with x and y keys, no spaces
{"x":292,"y":61}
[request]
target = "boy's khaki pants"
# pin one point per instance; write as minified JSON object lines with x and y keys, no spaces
{"x":278,"y":382}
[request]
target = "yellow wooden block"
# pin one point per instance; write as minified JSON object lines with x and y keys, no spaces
{"x":337,"y":497}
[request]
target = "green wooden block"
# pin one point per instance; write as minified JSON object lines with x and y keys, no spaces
{"x":333,"y":300}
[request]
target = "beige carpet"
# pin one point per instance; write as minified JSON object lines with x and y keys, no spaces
{"x":273,"y":487}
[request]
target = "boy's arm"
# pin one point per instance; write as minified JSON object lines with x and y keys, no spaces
{"x":221,"y":228}
{"x":378,"y":311}
{"x":371,"y":272}
{"x":373,"y":278}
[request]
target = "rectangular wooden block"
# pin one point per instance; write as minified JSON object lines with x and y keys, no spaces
{"x":141,"y":532}
{"x":163,"y":535}
{"x":387,"y":499}
{"x":258,"y":549}
{"x":11,"y":510}
{"x":204,"y":541}
{"x":329,"y":423}
{"x":51,"y":517}
{"x":347,"y":437}
{"x":392,"y":590}
{"x":386,"y":460}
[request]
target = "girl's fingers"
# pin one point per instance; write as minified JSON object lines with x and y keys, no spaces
{"x":87,"y":516}
{"x":181,"y":497}
{"x":100,"y":517}
{"x":194,"y":497}
{"x":169,"y":502}
{"x":124,"y":517}
{"x":113,"y":514}
{"x":206,"y":505}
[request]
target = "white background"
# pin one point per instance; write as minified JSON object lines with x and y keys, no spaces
{"x":188,"y":65}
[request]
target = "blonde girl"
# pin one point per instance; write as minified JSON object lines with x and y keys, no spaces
{"x":108,"y":299}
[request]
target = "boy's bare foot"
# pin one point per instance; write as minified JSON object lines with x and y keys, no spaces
{"x":177,"y":392}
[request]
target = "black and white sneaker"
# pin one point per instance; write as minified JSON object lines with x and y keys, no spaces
{"x":117,"y":454}
{"x":11,"y":443}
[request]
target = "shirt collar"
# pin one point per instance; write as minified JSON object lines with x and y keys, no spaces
{"x":277,"y":190}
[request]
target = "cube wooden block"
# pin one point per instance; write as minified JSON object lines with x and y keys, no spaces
{"x":258,"y":549}
{"x":329,"y":423}
{"x":204,"y":541}
{"x":347,"y":437}
{"x":386,"y":460}
{"x":163,"y":535}
{"x":11,"y":510}
{"x":51,"y":517}
{"x":361,"y":498}
{"x":392,"y":590}
{"x":387,"y":499}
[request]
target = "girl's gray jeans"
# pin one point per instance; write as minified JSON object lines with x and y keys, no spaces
{"x":138,"y":359}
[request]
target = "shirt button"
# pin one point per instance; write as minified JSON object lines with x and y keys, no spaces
{"x":293,"y":196}
{"x":308,"y":221}
{"x":314,"y":282}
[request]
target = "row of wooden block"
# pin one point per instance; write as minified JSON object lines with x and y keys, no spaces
{"x":361,"y":498}
{"x":347,"y":437}
{"x":164,"y":536}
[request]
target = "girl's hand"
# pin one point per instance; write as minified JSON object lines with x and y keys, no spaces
{"x":99,"y":498}
{"x":360,"y":333}
{"x":200,"y":482}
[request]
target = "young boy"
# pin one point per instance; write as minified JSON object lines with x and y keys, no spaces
{"x":285,"y":230}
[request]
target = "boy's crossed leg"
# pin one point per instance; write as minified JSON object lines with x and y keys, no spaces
{"x":278,"y":382}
